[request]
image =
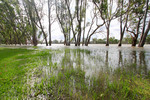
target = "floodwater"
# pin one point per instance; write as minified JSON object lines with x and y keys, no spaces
{"x":92,"y":61}
{"x":83,"y":63}
{"x":96,"y":58}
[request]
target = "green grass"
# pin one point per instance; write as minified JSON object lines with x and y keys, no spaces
{"x":15,"y":64}
{"x":26,"y":74}
{"x":11,"y":71}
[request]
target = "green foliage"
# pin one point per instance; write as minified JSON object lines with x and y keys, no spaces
{"x":55,"y":41}
{"x":104,"y":8}
{"x":148,"y":39}
{"x":127,"y":39}
{"x":112,"y":40}
{"x":15,"y":28}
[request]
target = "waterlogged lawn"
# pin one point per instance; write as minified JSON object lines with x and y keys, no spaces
{"x":74,"y":73}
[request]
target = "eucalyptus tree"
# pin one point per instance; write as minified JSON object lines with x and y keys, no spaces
{"x":136,"y":18}
{"x":95,"y":19}
{"x":145,"y":30}
{"x":101,"y":14}
{"x":31,"y":20}
{"x":84,"y":27}
{"x":64,"y":20}
{"x":71,"y":17}
{"x":51,"y":18}
{"x":21,"y":22}
{"x":8,"y":23}
{"x":124,"y":10}
{"x":37,"y":11}
{"x":76,"y":17}
{"x":79,"y":17}
{"x":2,"y":21}
{"x":79,"y":24}
{"x":108,"y":14}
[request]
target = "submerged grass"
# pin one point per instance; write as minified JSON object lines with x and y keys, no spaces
{"x":32,"y":74}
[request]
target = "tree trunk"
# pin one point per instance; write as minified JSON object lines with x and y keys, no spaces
{"x":120,"y":42}
{"x":64,"y":39}
{"x":144,"y":33}
{"x":107,"y":42}
{"x":34,"y":35}
{"x":41,"y":25}
{"x":142,"y":42}
{"x":49,"y":18}
{"x":32,"y":19}
{"x":69,"y":38}
{"x":87,"y":41}
{"x":134,"y":40}
{"x":122,"y":30}
{"x":71,"y":19}
{"x":79,"y":35}
{"x":84,"y":23}
{"x":121,"y":35}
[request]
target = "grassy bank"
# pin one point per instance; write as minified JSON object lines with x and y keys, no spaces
{"x":37,"y":74}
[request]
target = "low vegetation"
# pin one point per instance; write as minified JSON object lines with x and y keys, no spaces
{"x":34,"y":74}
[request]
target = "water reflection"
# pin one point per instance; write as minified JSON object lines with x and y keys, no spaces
{"x":120,"y":62}
{"x":81,"y":68}
{"x":143,"y":64}
{"x":95,"y":61}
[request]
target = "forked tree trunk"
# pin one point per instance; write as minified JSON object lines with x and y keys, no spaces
{"x":134,"y":41}
{"x":144,"y":32}
{"x":122,"y":29}
{"x":142,"y":42}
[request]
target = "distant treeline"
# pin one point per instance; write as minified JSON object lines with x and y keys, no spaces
{"x":21,"y":21}
{"x":126,"y":40}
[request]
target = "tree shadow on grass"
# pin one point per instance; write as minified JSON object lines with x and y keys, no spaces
{"x":8,"y":52}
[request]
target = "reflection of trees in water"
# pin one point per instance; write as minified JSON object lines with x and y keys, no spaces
{"x":120,"y":63}
{"x":72,"y":56}
{"x":135,"y":60}
{"x":138,"y":62}
{"x":143,"y":65}
{"x":80,"y":58}
{"x":106,"y":60}
{"x":66,"y":59}
{"x":142,"y":58}
{"x":134,"y":57}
